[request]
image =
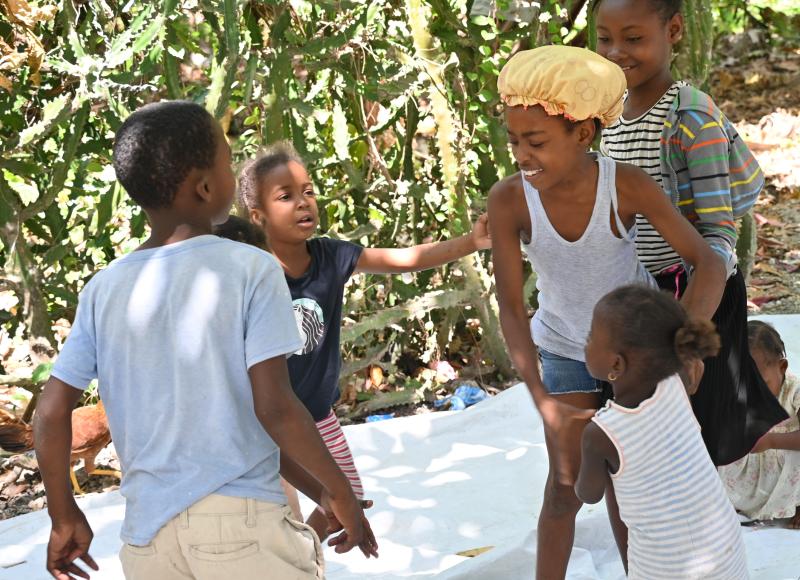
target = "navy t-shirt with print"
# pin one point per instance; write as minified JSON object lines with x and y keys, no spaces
{"x":317,"y":298}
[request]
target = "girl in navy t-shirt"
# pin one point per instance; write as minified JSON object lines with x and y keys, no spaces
{"x":276,"y":190}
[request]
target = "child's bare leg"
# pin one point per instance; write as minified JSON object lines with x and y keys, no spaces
{"x":794,"y":523}
{"x":292,"y":499}
{"x":556,"y":529}
{"x":617,"y":525}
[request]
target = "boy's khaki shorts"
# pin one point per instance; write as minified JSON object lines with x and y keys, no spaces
{"x":228,"y":538}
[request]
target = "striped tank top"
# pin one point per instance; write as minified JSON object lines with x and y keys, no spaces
{"x":572,"y":277}
{"x":638,"y":142}
{"x":681,"y":523}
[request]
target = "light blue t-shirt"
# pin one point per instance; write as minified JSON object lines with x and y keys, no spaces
{"x":170,"y":334}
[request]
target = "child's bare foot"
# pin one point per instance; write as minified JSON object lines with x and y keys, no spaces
{"x":794,"y":523}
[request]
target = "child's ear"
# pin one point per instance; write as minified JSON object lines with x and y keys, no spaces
{"x":675,"y":27}
{"x":257,"y":218}
{"x":586,"y":132}
{"x":203,"y":189}
{"x":784,"y":366}
{"x":620,"y":364}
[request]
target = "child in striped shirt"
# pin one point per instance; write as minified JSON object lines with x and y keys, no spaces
{"x":678,"y":135}
{"x":681,"y":523}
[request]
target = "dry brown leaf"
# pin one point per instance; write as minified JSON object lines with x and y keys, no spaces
{"x":766,"y":268}
{"x":788,"y":65}
{"x":770,"y":242}
{"x":10,"y":59}
{"x":474,"y":551}
{"x":762,"y":220}
{"x":21,"y":12}
{"x":376,"y":375}
{"x":726,"y":79}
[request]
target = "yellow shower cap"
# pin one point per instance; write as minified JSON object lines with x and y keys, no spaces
{"x":564,"y":80}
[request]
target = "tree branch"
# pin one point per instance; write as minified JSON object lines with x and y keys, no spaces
{"x":61,"y":170}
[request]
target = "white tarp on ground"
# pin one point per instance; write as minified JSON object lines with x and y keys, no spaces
{"x":442,"y":483}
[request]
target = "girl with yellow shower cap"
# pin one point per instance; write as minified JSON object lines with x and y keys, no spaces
{"x":573,"y":213}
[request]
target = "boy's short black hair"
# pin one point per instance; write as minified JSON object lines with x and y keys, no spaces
{"x":666,"y":8}
{"x":241,"y":230}
{"x":158,"y":145}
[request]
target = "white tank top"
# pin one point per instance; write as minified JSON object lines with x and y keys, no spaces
{"x":680,"y":521}
{"x":573,"y":276}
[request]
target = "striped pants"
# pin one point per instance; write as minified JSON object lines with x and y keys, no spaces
{"x":333,"y":436}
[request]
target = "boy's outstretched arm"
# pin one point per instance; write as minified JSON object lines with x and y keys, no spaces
{"x":70,"y":535}
{"x":289,"y":424}
{"x":424,"y":256}
{"x":595,"y":450}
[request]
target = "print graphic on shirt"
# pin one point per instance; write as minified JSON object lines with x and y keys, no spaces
{"x":310,"y":323}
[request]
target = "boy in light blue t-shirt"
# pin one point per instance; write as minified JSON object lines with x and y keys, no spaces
{"x":188,"y":337}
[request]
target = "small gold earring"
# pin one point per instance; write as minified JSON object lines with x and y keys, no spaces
{"x":612,"y":377}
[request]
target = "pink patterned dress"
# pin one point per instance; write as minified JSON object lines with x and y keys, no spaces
{"x":765,"y":486}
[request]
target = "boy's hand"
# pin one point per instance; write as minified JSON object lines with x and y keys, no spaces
{"x":70,"y":539}
{"x":349,"y":516}
{"x":480,"y":233}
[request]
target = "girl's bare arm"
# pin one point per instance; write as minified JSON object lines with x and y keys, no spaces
{"x":597,"y":452}
{"x":506,"y":221}
{"x":639,"y":194}
{"x":425,"y":256}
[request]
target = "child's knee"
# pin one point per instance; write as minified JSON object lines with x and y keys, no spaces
{"x":560,"y":500}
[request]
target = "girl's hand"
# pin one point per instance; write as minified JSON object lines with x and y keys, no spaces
{"x":563,"y":425}
{"x":353,"y":524}
{"x":763,"y":444}
{"x":480,"y":233}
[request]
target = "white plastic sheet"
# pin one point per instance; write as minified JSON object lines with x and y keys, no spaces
{"x":442,"y":483}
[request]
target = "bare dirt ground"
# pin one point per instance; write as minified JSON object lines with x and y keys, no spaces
{"x":762,"y":97}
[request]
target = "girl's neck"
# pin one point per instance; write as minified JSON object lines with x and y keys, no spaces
{"x":294,"y":257}
{"x":642,"y":98}
{"x":577,"y":183}
{"x":630,"y":392}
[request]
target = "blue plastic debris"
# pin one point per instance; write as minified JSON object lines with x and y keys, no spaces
{"x":463,"y":397}
{"x":373,"y":418}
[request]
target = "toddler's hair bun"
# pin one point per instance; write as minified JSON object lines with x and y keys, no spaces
{"x":697,"y":339}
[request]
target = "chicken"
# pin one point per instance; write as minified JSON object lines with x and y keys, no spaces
{"x":90,"y":435}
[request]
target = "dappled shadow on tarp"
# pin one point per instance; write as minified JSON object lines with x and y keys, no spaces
{"x":442,"y":483}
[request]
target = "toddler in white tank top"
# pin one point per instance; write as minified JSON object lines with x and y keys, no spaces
{"x":680,"y":521}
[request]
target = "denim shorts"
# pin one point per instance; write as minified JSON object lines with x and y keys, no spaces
{"x":562,"y":375}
